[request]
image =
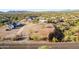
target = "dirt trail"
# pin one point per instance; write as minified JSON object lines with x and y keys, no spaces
{"x":35,"y":44}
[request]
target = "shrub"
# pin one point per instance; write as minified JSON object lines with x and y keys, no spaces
{"x":35,"y":21}
{"x":37,"y":37}
{"x":54,"y":40}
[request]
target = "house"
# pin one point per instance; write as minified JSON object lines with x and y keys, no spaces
{"x":13,"y":25}
{"x":42,"y":21}
{"x":30,"y":18}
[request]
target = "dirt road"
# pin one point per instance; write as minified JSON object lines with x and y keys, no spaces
{"x":35,"y":45}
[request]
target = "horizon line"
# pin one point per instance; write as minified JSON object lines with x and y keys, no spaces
{"x":6,"y":10}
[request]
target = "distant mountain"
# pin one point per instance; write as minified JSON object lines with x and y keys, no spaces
{"x":15,"y":12}
{"x":1,"y":12}
{"x":48,"y":11}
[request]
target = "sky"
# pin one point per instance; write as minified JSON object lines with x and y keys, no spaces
{"x":38,"y":5}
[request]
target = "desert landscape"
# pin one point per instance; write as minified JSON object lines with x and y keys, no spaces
{"x":37,"y":30}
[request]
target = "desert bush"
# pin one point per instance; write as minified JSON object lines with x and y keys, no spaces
{"x":49,"y":20}
{"x":67,"y":39}
{"x":37,"y":37}
{"x":35,"y":21}
{"x":74,"y":38}
{"x":54,"y":39}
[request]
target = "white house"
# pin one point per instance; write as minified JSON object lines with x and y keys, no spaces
{"x":42,"y":21}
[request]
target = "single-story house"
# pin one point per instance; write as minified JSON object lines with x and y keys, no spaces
{"x":30,"y":18}
{"x":42,"y":21}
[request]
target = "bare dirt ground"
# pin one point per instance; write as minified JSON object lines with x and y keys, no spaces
{"x":4,"y":33}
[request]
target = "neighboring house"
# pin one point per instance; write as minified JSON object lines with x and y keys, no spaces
{"x":42,"y":21}
{"x":30,"y":18}
{"x":13,"y":25}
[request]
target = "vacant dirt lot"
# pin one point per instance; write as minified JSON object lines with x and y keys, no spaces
{"x":4,"y":33}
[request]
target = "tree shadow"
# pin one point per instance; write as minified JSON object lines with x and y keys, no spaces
{"x":58,"y":34}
